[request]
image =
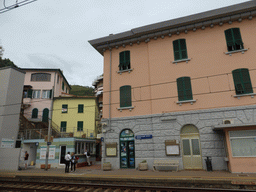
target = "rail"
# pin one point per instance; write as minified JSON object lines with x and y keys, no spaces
{"x":67,"y":187}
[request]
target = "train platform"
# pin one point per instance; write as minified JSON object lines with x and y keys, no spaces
{"x":96,"y":172}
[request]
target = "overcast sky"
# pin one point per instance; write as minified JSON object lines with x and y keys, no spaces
{"x":55,"y":33}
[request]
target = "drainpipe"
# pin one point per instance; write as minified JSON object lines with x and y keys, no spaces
{"x":109,"y":119}
{"x":49,"y":125}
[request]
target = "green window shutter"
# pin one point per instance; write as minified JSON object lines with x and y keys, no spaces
{"x":187,"y":87}
{"x":125,"y":96}
{"x":242,"y":81}
{"x":124,"y":60}
{"x":35,"y":113}
{"x":233,"y":39}
{"x":80,"y":108}
{"x":63,"y":126}
{"x":121,"y":61}
{"x":180,"y":49}
{"x":50,"y":94}
{"x":80,"y":125}
{"x":63,"y":86}
{"x":237,"y":36}
{"x":184,"y":89}
{"x":30,"y":91}
{"x":64,"y":108}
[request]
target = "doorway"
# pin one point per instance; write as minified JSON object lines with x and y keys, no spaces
{"x":191,"y":149}
{"x":62,"y":154}
{"x":127,"y":150}
{"x":45,"y":115}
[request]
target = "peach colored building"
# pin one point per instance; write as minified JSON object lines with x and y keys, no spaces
{"x":187,"y":82}
{"x":38,"y":86}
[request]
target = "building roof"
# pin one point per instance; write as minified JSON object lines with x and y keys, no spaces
{"x":12,"y":67}
{"x":48,"y":69}
{"x":204,"y":19}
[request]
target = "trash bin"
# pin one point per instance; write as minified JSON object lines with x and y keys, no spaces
{"x":208,"y":162}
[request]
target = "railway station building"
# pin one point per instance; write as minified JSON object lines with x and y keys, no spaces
{"x":182,"y":89}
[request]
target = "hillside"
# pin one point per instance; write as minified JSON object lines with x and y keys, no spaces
{"x":81,"y":90}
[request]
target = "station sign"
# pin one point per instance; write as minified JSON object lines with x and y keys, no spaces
{"x":143,"y":137}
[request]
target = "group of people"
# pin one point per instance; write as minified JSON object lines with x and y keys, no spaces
{"x":73,"y":160}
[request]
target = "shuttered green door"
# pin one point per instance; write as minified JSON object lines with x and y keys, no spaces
{"x":184,"y":88}
{"x":35,"y":113}
{"x":180,"y":49}
{"x":242,"y":81}
{"x":45,"y":115}
{"x":125,"y":96}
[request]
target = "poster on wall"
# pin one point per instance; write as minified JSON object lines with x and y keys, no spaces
{"x":43,"y":152}
{"x":51,"y":152}
{"x":7,"y":143}
{"x":111,"y":149}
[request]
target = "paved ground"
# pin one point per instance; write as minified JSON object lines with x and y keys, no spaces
{"x":95,"y":171}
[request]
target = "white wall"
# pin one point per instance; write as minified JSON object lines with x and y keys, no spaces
{"x":9,"y":159}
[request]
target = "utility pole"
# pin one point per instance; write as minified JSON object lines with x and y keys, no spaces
{"x":49,"y":127}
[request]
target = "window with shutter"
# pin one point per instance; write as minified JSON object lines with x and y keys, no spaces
{"x":242,"y":81}
{"x":125,"y":96}
{"x":184,"y":88}
{"x":35,"y":113}
{"x":64,"y":108}
{"x":62,"y":86}
{"x":63,"y":126}
{"x":80,"y":125}
{"x":80,"y":108}
{"x":180,"y":49}
{"x":124,"y":60}
{"x":234,"y":39}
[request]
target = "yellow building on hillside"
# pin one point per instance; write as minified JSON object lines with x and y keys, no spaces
{"x":75,"y":115}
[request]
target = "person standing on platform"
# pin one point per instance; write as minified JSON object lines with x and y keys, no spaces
{"x":87,"y":154}
{"x":26,"y":159}
{"x":67,"y":162}
{"x":73,"y":162}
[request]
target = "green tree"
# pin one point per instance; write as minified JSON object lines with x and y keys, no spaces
{"x":81,"y":90}
{"x":6,"y":63}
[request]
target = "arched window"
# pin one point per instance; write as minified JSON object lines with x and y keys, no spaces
{"x":45,"y":115}
{"x":35,"y":113}
{"x":40,"y":77}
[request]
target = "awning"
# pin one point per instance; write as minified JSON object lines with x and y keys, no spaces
{"x":225,"y":126}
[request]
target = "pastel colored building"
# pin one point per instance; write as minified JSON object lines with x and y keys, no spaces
{"x":187,"y":82}
{"x":76,"y":115}
{"x":38,"y":86}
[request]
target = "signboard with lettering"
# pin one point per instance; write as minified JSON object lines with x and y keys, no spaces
{"x":143,"y":137}
{"x":51,"y":152}
{"x":7,"y":143}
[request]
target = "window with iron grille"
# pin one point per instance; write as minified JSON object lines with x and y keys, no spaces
{"x":184,"y":89}
{"x":234,"y":39}
{"x":242,"y":81}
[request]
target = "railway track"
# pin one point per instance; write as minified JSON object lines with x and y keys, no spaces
{"x":80,"y":187}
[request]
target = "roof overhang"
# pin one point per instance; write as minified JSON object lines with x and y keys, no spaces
{"x":226,"y":126}
{"x":161,"y":29}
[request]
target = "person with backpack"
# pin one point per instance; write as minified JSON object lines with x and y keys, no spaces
{"x":73,"y":162}
{"x":87,"y":154}
{"x":67,"y":162}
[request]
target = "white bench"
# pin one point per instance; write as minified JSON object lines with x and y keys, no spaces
{"x":166,"y":163}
